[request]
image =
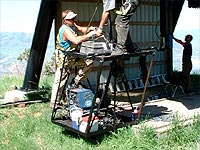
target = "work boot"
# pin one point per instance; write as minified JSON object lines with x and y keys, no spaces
{"x":119,"y":52}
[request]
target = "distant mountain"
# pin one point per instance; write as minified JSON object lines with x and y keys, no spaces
{"x":12,"y":44}
{"x":18,"y":40}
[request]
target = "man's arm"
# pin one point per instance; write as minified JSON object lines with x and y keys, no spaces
{"x":104,"y":18}
{"x":84,"y":30}
{"x":68,"y":35}
{"x":179,"y":41}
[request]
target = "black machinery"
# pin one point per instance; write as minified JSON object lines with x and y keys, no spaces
{"x":89,"y":112}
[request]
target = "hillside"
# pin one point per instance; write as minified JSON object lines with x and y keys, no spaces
{"x":12,"y":44}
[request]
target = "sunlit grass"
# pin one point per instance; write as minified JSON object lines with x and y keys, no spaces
{"x":31,"y":128}
{"x":9,"y":83}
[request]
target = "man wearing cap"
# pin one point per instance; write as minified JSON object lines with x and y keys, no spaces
{"x":186,"y":61}
{"x":67,"y":40}
{"x":127,"y":8}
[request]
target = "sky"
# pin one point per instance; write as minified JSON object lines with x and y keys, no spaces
{"x":189,"y":18}
{"x":18,"y":15}
{"x":21,"y":16}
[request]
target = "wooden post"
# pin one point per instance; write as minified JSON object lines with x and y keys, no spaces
{"x":145,"y":86}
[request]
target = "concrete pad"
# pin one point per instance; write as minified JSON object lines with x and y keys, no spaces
{"x":159,"y":114}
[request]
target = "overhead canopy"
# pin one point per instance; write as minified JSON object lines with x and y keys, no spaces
{"x":193,"y":3}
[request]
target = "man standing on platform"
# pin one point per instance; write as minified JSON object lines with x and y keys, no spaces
{"x":127,"y":8}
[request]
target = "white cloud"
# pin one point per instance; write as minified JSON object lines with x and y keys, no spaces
{"x":189,"y":18}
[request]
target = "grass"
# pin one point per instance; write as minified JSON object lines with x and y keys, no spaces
{"x":11,"y":82}
{"x":30,"y":128}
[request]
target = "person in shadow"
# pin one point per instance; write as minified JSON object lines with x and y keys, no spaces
{"x":186,"y":61}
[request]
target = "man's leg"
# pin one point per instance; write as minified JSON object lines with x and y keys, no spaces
{"x":82,"y":73}
{"x":56,"y":89}
{"x":60,"y":79}
{"x":186,"y":77}
{"x":122,"y":30}
{"x":124,"y":42}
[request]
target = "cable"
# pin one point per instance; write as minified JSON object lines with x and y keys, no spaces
{"x":93,"y":14}
{"x":158,"y":36}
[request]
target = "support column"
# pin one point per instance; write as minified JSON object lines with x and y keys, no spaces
{"x":39,"y":44}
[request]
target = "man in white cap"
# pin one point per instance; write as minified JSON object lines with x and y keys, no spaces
{"x":67,"y":40}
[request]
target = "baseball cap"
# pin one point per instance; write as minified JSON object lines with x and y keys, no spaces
{"x":70,"y":15}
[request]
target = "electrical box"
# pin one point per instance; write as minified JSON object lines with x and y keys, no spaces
{"x":80,"y":97}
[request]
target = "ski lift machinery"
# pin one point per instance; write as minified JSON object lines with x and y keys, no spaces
{"x":89,"y":111}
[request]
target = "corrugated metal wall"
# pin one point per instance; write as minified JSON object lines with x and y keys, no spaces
{"x":145,"y":31}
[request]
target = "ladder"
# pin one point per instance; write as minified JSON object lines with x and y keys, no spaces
{"x":133,"y":84}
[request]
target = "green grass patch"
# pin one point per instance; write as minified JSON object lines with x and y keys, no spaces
{"x":9,"y":83}
{"x":30,"y":128}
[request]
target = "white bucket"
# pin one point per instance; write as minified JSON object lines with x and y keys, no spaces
{"x":76,"y":116}
{"x":84,"y":123}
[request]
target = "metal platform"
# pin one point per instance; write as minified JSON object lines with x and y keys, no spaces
{"x":109,"y":117}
